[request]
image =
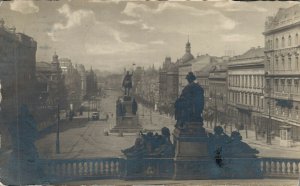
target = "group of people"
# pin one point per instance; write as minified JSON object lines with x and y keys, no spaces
{"x":152,"y":145}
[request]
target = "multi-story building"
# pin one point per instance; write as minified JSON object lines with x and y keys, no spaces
{"x":91,"y":83}
{"x":283,"y":69}
{"x":245,"y":89}
{"x":81,"y":70}
{"x":202,"y":78}
{"x":168,"y":86}
{"x":66,"y":65}
{"x":17,"y":76}
{"x":218,"y":91}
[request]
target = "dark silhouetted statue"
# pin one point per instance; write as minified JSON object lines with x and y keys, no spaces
{"x":151,"y":146}
{"x":189,"y":106}
{"x":127,"y":83}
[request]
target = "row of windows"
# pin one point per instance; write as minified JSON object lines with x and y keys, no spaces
{"x":246,"y":81}
{"x":246,"y":98}
{"x":283,"y":42}
{"x":292,"y":63}
{"x":282,"y":111}
{"x":287,"y":85}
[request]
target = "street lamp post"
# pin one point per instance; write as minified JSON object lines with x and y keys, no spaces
{"x":89,"y":109}
{"x":269,"y":123}
{"x":57,"y":131}
{"x":216,"y":114}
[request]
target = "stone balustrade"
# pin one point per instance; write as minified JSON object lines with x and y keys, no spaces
{"x":58,"y":170}
{"x":280,"y":167}
{"x":79,"y":169}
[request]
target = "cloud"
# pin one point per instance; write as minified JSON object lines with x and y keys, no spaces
{"x":74,"y":19}
{"x":24,"y":7}
{"x":232,"y":6}
{"x":45,"y":47}
{"x":157,"y":42}
{"x":237,"y":38}
{"x":182,"y":24}
{"x":129,"y":22}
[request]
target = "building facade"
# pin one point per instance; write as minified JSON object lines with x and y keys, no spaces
{"x":17,"y":76}
{"x":218,"y":92}
{"x":283,"y":69}
{"x":168,"y":86}
{"x":245,"y":89}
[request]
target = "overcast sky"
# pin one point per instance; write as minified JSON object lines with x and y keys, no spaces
{"x":113,"y":35}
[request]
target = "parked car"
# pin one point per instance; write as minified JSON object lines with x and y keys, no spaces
{"x":95,"y":116}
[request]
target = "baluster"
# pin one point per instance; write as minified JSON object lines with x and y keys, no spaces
{"x":108,"y":167}
{"x":101,"y":167}
{"x":272,"y":167}
{"x":71,"y":169}
{"x":112,"y":167}
{"x":77,"y":168}
{"x":262,"y":167}
{"x":87,"y":168}
{"x":98,"y":168}
{"x":60,"y":169}
{"x":288,"y":167}
{"x":93,"y":168}
{"x":283,"y":165}
{"x":295,"y":168}
{"x":118,"y":167}
{"x":104,"y":168}
{"x":278,"y":171}
{"x":64,"y":169}
{"x":92,"y":172}
{"x":82,"y":168}
{"x":267,"y":167}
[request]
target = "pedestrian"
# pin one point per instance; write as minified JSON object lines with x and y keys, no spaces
{"x":107,"y":117}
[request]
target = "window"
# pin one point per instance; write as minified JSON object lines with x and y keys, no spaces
{"x":282,"y":81}
{"x":290,"y":63}
{"x":282,"y":42}
{"x":290,"y":41}
{"x":250,"y":99}
{"x":276,"y":85}
{"x":289,"y":84}
{"x":283,"y":63}
{"x":276,"y":43}
{"x":296,"y":39}
{"x":276,"y":62}
{"x":297,"y":63}
{"x":296,"y":85}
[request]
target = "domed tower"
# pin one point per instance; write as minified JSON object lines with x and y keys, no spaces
{"x":188,"y":47}
{"x":55,"y":62}
{"x":187,"y":56}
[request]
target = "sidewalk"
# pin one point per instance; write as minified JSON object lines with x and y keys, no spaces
{"x":273,"y":150}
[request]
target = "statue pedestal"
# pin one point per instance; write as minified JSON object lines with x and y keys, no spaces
{"x":128,"y":122}
{"x":191,"y":160}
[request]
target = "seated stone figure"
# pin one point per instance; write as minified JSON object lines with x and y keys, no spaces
{"x":218,"y":143}
{"x":150,"y":146}
{"x":236,"y":148}
{"x":189,"y":106}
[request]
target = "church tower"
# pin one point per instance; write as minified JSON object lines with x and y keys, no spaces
{"x":55,"y":62}
{"x":188,"y":47}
